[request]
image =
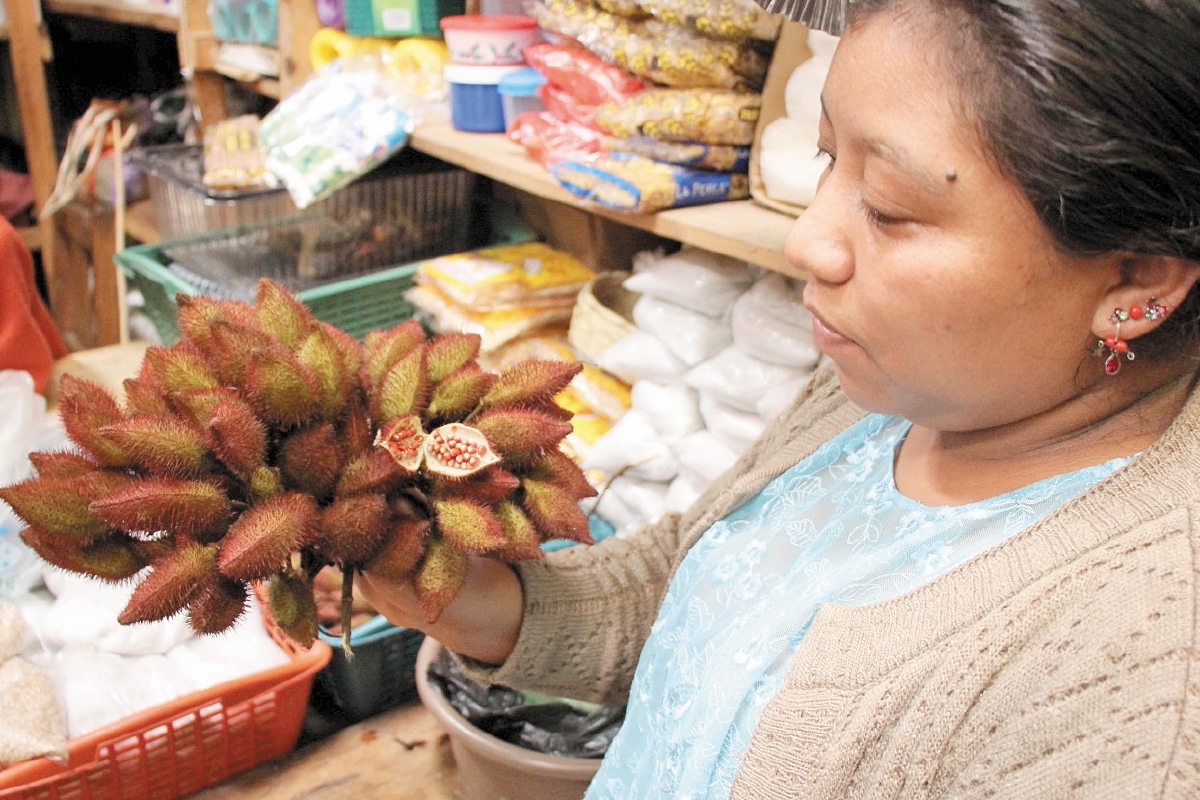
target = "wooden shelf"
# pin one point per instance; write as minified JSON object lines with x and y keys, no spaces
{"x":740,"y":229}
{"x":149,"y":14}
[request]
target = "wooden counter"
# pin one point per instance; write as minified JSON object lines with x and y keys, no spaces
{"x":401,"y":754}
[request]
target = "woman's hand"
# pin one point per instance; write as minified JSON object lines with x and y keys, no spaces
{"x":483,"y":620}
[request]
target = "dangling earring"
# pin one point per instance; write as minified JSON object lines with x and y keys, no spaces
{"x":1114,"y":344}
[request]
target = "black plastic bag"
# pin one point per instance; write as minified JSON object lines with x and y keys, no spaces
{"x":557,"y":727}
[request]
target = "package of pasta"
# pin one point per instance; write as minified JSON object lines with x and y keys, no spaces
{"x":651,"y":49}
{"x":720,"y":19}
{"x":582,"y":73}
{"x":707,"y":157}
{"x":634,"y":183}
{"x":709,"y":116}
{"x":528,"y":275}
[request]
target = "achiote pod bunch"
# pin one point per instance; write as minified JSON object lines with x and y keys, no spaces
{"x":265,"y":444}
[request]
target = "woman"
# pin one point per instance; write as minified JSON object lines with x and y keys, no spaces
{"x":964,"y":563}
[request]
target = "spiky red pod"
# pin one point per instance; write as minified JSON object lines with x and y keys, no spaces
{"x":402,"y":549}
{"x":557,"y":467}
{"x":166,"y":589}
{"x":162,"y":444}
{"x":554,"y":512}
{"x":487,"y":486}
{"x":521,"y":539}
{"x":320,"y":354}
{"x":259,"y":542}
{"x":62,"y":464}
{"x":279,"y":388}
{"x":291,"y":604}
{"x":112,"y":558}
{"x":521,"y":434}
{"x":237,"y":437}
{"x":281,"y":315}
{"x":60,"y":507}
{"x":355,"y":431}
{"x":471,"y":527}
{"x":86,"y":407}
{"x":352,"y":528}
{"x":144,"y":394}
{"x":195,"y":315}
{"x":531,"y":382}
{"x":382,"y":349}
{"x":439,"y":579}
{"x":369,"y":471}
{"x":230,"y":346}
{"x":457,"y":395}
{"x":403,"y":389}
{"x":216,"y":604}
{"x":310,"y":459}
{"x":265,"y":483}
{"x":449,"y":352}
{"x":197,"y":404}
{"x":350,"y":350}
{"x":402,"y":439}
{"x":197,"y":509}
{"x":180,"y":368}
{"x":456,"y":451}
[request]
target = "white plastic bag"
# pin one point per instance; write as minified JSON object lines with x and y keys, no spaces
{"x":24,"y":427}
{"x":771,"y":323}
{"x":690,"y":335}
{"x":694,"y":278}
{"x":737,"y":378}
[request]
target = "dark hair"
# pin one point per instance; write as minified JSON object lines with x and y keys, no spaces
{"x":1093,"y":107}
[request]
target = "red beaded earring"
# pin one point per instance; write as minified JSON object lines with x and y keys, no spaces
{"x":1114,"y":344}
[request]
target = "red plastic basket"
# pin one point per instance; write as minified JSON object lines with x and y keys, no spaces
{"x":178,"y":748}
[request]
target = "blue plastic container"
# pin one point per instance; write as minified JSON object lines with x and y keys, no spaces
{"x":475,"y":102}
{"x":519,"y":93}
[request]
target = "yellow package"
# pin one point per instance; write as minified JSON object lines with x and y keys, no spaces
{"x":233,"y":155}
{"x":495,"y":328}
{"x":495,"y":278}
{"x":710,"y":116}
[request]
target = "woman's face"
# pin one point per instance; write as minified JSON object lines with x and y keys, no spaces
{"x":936,"y":291}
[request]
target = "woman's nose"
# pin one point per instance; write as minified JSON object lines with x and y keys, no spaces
{"x":817,"y":243}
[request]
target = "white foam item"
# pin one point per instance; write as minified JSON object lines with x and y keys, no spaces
{"x":779,"y":397}
{"x":683,"y":491}
{"x":671,"y":407}
{"x":647,"y":499}
{"x":737,"y":378}
{"x":689,"y":335}
{"x":694,"y":278}
{"x":703,"y":456}
{"x":733,"y":428}
{"x":770,"y":322}
{"x":788,"y":162}
{"x":640,"y":355}
{"x":632,"y":442}
{"x":802,"y":93}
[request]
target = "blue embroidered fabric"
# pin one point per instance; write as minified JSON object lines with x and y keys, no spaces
{"x":832,"y":529}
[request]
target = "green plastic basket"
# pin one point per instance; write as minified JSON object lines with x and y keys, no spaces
{"x":356,"y":305}
{"x":380,"y":675}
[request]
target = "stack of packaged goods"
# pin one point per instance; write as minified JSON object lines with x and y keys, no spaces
{"x":649,"y":104}
{"x":719,"y":349}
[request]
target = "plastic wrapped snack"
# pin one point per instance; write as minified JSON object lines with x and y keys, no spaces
{"x":710,"y":116}
{"x":720,"y":19}
{"x":654,"y":50}
{"x":633,"y":183}
{"x":694,"y":155}
{"x":582,"y":73}
{"x":497,"y":278}
{"x":233,"y":156}
{"x":623,"y":8}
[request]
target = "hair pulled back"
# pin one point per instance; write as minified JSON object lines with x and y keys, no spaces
{"x":1093,"y":108}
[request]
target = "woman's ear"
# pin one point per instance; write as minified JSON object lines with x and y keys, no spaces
{"x":1146,"y":280}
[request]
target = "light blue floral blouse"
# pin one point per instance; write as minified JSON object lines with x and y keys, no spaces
{"x":832,"y":529}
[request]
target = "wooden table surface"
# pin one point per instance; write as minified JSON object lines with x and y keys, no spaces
{"x":401,"y":754}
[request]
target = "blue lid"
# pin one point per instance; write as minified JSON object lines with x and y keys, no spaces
{"x":521,"y":82}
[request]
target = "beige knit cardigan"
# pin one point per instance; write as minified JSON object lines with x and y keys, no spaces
{"x":1061,"y":663}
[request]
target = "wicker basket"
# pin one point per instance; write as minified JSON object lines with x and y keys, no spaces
{"x":603,"y":314}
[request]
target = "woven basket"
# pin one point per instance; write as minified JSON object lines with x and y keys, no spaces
{"x":603,"y":314}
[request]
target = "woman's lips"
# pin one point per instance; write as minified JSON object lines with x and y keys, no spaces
{"x":826,"y":337}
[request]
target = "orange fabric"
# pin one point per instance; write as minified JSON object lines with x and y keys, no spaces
{"x":28,"y":338}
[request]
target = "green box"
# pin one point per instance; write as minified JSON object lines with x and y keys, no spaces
{"x":399,"y":17}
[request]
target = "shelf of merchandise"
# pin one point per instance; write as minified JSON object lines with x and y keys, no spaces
{"x":741,"y":229}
